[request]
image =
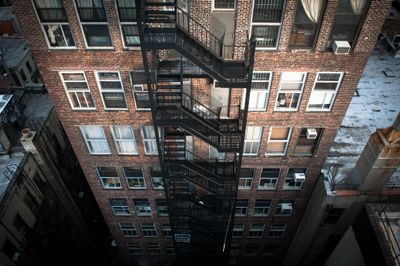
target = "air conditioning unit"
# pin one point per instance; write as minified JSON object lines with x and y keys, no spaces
{"x":299,"y":177}
{"x":341,"y":47}
{"x":286,"y":207}
{"x":311,"y":133}
{"x":282,"y":102}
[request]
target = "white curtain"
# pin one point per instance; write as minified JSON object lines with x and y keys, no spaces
{"x":50,"y":31}
{"x":358,"y":6}
{"x":313,"y":9}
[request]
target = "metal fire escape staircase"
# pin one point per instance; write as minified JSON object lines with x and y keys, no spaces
{"x":200,"y":192}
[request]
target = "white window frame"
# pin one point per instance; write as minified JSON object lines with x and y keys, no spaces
{"x":213,"y":8}
{"x":87,"y":141}
{"x":162,"y":208}
{"x":242,"y":208}
{"x":246,"y":180}
{"x":277,"y":228}
{"x":151,"y":141}
{"x":269,"y":181}
{"x":267,"y":24}
{"x":88,"y":90}
{"x":122,"y":140}
{"x":293,"y":92}
{"x":152,"y":181}
{"x":127,"y":23}
{"x":259,"y":92}
{"x":113,"y":178}
{"x":98,"y":80}
{"x":238,"y":228}
{"x":139,"y":179}
{"x":142,"y":210}
{"x":124,"y":208}
{"x":42,"y":24}
{"x":128,"y":232}
{"x":264,"y":207}
{"x":258,"y":231}
{"x":253,"y":141}
{"x":325,"y":92}
{"x":141,"y":90}
{"x":298,"y":185}
{"x":81,"y":24}
{"x":146,"y":224}
{"x":286,"y":141}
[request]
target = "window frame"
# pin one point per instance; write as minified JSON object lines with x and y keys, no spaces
{"x":284,"y":91}
{"x":101,"y":90}
{"x":139,"y":208}
{"x":213,"y":8}
{"x":77,"y":90}
{"x":153,"y":248}
{"x":122,"y":140}
{"x":281,"y":230}
{"x":126,"y":23}
{"x":149,"y":140}
{"x":109,"y":177}
{"x":246,"y":179}
{"x":60,"y":23}
{"x":142,"y":90}
{"x":245,"y":208}
{"x":153,"y":230}
{"x":87,"y":141}
{"x":278,"y":141}
{"x":139,"y":179}
{"x":152,"y":180}
{"x":262,"y":207}
{"x":256,"y":232}
{"x":239,"y":228}
{"x":124,"y":207}
{"x":138,"y":247}
{"x":287,"y":179}
{"x":92,"y":23}
{"x":124,"y":231}
{"x":266,"y":91}
{"x":272,"y":178}
{"x":162,"y":208}
{"x":339,"y":83}
{"x":166,"y":228}
{"x":253,"y":141}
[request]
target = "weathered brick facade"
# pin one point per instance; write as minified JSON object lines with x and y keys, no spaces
{"x":283,"y":59}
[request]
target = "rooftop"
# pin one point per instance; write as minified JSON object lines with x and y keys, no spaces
{"x":8,"y":168}
{"x":13,"y":50}
{"x":374,"y":105}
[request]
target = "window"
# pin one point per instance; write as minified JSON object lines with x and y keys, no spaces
{"x":156,"y":177}
{"x":306,"y":25}
{"x":94,"y":23}
{"x":127,"y":229}
{"x":349,"y":17}
{"x":285,"y":208}
{"x":142,"y":207}
{"x":277,"y":230}
{"x":256,"y":230}
{"x":278,"y":141}
{"x":269,"y":178}
{"x":238,"y":230}
{"x":95,"y":139}
{"x":224,"y":4}
{"x":170,"y":250}
{"x":140,"y":91}
{"x":324,"y":92}
{"x":252,"y":141}
{"x":270,"y":250}
{"x":135,"y":248}
{"x":290,"y":90}
{"x":235,"y":250}
{"x":266,"y":23}
{"x":333,"y":215}
{"x":149,"y":230}
{"x":166,"y":230}
{"x":246,"y":178}
{"x":262,"y":207}
{"x":162,"y":208}
{"x":109,"y":177}
{"x":78,"y":91}
{"x":251,"y":250}
{"x":119,"y":206}
{"x":295,"y":178}
{"x":127,"y":19}
{"x":55,"y":23}
{"x":21,"y":226}
{"x":124,"y":139}
{"x":134,"y":178}
{"x":308,"y":141}
{"x":259,"y":91}
{"x":112,"y":91}
{"x":241,"y":207}
{"x":153,"y":249}
{"x":149,"y":140}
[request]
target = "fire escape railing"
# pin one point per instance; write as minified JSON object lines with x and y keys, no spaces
{"x":200,"y":192}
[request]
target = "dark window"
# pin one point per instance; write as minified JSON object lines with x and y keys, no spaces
{"x":91,"y":10}
{"x":162,"y":208}
{"x":251,"y":249}
{"x":126,"y":10}
{"x":50,"y":10}
{"x":97,"y":35}
{"x":224,"y":4}
{"x":308,"y":19}
{"x":241,"y":207}
{"x":333,"y":215}
{"x":131,"y":35}
{"x":307,"y":142}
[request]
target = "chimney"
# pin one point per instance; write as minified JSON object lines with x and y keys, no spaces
{"x":379,"y":159}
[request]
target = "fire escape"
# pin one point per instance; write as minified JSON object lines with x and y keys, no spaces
{"x":200,"y":192}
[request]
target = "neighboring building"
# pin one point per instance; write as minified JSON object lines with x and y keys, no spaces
{"x":110,"y":95}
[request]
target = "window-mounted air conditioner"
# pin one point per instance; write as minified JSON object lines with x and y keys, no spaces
{"x":299,"y":177}
{"x":341,"y":47}
{"x":282,"y":102}
{"x":286,"y":207}
{"x":311,"y":133}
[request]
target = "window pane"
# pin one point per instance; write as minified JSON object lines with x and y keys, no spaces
{"x":50,"y":10}
{"x":126,"y":10}
{"x":268,"y":10}
{"x":266,"y":36}
{"x":91,"y":10}
{"x":97,"y":35}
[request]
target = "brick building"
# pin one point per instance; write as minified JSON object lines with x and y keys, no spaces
{"x":96,"y":59}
